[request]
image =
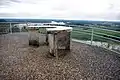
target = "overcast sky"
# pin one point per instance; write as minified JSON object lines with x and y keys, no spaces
{"x":61,"y":9}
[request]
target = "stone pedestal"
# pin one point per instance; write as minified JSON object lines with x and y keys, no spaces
{"x":58,"y":37}
{"x":59,"y":40}
{"x":34,"y":38}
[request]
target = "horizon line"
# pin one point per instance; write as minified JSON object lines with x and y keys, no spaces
{"x":59,"y":19}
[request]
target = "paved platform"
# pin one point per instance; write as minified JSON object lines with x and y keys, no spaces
{"x":19,"y":61}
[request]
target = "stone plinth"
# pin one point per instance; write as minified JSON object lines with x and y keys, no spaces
{"x":33,"y":36}
{"x":58,"y":39}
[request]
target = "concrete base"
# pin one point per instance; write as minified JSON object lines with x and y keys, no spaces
{"x":33,"y":38}
{"x":59,"y":40}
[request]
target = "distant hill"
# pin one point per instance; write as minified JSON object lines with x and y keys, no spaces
{"x":70,"y":22}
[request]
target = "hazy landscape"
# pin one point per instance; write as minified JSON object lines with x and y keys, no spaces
{"x":103,"y":31}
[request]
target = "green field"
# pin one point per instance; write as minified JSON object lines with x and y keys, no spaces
{"x":103,"y":35}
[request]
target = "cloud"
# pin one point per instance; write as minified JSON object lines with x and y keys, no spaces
{"x":8,"y":2}
{"x":61,"y":9}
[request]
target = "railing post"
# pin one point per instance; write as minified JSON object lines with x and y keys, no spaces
{"x":10,"y":28}
{"x":92,"y":35}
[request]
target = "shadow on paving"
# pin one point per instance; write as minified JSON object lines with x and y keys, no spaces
{"x":19,"y":61}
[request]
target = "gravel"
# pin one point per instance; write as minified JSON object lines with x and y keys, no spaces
{"x":19,"y":61}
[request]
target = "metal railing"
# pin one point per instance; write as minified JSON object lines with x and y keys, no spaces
{"x":8,"y":27}
{"x":92,"y":33}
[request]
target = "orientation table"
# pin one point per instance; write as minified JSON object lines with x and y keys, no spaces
{"x":57,"y":37}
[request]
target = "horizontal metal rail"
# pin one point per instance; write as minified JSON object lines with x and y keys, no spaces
{"x":106,"y":35}
{"x":82,"y":32}
{"x":100,"y":33}
{"x":98,"y":28}
{"x":106,"y":38}
{"x":97,"y":35}
{"x":107,"y":30}
{"x":89,"y":31}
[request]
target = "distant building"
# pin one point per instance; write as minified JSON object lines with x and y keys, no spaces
{"x":53,"y":23}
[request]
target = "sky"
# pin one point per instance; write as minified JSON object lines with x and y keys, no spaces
{"x":61,"y":9}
